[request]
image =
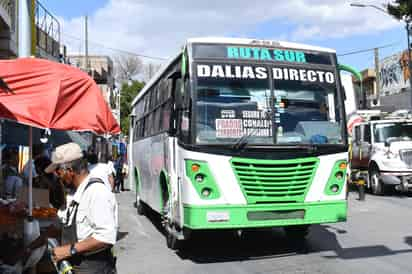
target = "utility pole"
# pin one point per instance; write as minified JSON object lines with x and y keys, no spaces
{"x":86,"y":45}
{"x":378,"y":76}
{"x":24,"y":28}
{"x":408,"y":32}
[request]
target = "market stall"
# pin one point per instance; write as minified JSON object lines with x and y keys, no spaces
{"x":48,"y":95}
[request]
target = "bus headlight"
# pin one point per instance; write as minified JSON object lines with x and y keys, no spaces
{"x":337,"y":178}
{"x":334,"y":188}
{"x":200,"y":178}
{"x":206,"y":192}
{"x":339,"y":175}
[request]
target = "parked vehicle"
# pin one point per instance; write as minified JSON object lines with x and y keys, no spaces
{"x":381,"y":154}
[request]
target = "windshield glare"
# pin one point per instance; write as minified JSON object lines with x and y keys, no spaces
{"x":295,"y":112}
{"x":383,"y":132}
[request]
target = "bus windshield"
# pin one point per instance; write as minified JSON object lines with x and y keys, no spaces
{"x":292,"y":112}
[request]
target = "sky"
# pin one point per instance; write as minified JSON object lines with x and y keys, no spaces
{"x":159,"y":28}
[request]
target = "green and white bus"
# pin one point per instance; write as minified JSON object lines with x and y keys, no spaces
{"x":241,"y":134}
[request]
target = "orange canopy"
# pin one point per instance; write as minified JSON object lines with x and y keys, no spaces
{"x":46,"y":94}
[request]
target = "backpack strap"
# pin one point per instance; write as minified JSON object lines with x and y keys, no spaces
{"x":93,"y":181}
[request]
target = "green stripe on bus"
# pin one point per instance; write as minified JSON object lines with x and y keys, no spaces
{"x":196,"y":217}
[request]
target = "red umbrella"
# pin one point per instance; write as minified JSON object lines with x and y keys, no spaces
{"x":47,"y":94}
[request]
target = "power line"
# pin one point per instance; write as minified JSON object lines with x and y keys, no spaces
{"x":116,"y":49}
{"x":370,"y":49}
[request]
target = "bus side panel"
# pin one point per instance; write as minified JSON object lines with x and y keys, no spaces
{"x":149,"y":158}
{"x":317,"y":190}
{"x":222,"y":172}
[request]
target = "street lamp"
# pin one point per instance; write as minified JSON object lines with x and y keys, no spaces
{"x":408,"y":34}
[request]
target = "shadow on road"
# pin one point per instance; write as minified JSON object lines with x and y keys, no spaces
{"x":228,"y":246}
{"x":121,"y":235}
{"x":224,"y":246}
{"x":322,"y":239}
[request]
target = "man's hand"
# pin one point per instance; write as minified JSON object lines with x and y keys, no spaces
{"x":61,"y":253}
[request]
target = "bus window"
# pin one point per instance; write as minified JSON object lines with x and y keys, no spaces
{"x":166,"y":110}
{"x":306,"y":112}
{"x":157,"y":117}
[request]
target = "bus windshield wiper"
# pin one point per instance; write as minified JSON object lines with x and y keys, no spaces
{"x":309,"y":147}
{"x":243,"y":141}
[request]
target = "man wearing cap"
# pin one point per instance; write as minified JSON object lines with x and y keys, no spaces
{"x":89,"y":228}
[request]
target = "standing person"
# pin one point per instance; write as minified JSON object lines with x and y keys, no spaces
{"x":119,"y":175}
{"x":12,"y":181}
{"x":125,"y":171}
{"x":89,"y":229}
{"x":110,"y":164}
{"x":50,"y":182}
{"x":38,"y":151}
{"x":101,"y":170}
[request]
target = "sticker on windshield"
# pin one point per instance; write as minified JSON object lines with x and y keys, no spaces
{"x":229,"y":128}
{"x":226,"y":114}
{"x":255,"y":123}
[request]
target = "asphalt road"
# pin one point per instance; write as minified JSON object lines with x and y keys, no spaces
{"x":377,"y":238}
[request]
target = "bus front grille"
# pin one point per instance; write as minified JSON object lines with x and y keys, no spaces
{"x":275,"y":181}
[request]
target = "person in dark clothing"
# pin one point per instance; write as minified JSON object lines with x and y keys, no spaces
{"x":119,"y":182}
{"x":11,"y":178}
{"x":49,"y":181}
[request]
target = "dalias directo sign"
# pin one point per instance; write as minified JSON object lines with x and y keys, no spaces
{"x":228,"y":71}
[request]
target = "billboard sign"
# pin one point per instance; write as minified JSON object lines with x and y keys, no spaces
{"x":394,"y":74}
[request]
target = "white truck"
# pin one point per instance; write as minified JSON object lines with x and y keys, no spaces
{"x":381,"y":154}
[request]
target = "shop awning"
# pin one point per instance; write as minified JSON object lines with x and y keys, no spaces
{"x":46,"y":94}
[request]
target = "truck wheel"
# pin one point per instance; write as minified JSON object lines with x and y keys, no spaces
{"x":375,"y":182}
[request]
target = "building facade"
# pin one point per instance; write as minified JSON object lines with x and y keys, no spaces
{"x":100,"y":68}
{"x":45,"y":36}
{"x":394,"y":86}
{"x":8,"y":29}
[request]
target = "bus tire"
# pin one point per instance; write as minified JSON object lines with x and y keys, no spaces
{"x":140,"y":208}
{"x":172,"y":242}
{"x":297,"y":232}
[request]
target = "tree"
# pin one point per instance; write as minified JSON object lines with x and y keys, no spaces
{"x":127,"y":67}
{"x":401,"y":10}
{"x":150,"y":70}
{"x":127,"y":95}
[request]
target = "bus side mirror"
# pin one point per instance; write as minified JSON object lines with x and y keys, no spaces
{"x":182,"y":93}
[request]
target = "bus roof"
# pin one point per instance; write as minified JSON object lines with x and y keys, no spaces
{"x":257,"y":42}
{"x":154,"y":79}
{"x":234,"y":41}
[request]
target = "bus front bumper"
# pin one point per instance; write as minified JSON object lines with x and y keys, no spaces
{"x":254,"y":216}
